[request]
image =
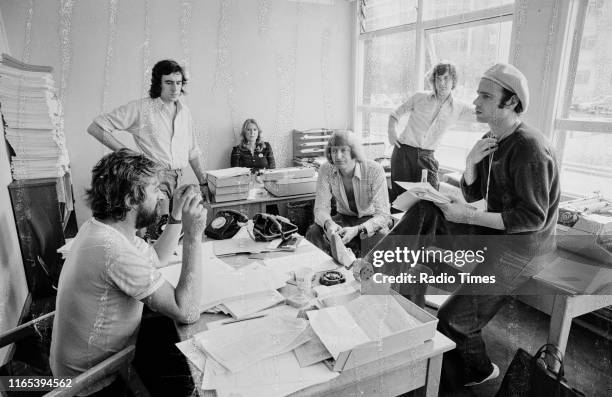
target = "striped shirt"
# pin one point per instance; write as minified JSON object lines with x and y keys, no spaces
{"x":369,"y":189}
{"x":423,"y":130}
{"x":160,"y":137}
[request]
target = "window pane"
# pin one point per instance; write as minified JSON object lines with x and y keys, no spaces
{"x":472,"y":50}
{"x":380,"y":14}
{"x":592,"y":95}
{"x":587,"y":163}
{"x":388,"y":69}
{"x":375,"y":125}
{"x":434,"y":9}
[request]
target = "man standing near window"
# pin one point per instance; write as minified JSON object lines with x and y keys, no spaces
{"x":431,"y":115}
{"x":513,"y":168}
{"x":162,"y":128}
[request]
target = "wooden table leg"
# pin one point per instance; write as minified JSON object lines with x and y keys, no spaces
{"x":432,"y":385}
{"x":560,"y":324}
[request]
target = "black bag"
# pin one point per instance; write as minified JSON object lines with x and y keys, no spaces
{"x":529,"y":376}
{"x":267,"y":227}
{"x":225,"y":225}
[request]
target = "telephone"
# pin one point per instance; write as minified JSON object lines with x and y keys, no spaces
{"x":225,"y":224}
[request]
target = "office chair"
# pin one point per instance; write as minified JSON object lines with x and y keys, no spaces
{"x":119,"y":362}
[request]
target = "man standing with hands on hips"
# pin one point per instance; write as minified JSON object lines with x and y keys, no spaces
{"x":162,"y":128}
{"x":432,"y":113}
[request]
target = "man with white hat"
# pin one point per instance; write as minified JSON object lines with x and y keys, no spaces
{"x":514,"y":170}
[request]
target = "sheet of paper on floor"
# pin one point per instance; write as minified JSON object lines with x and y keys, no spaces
{"x":239,"y":345}
{"x":275,"y":376}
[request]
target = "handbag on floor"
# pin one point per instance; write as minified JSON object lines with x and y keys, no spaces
{"x":529,"y":376}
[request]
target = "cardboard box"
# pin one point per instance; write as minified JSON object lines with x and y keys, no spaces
{"x":292,"y":187}
{"x":288,"y":173}
{"x":397,"y":342}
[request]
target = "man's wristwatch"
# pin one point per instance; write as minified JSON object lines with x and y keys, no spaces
{"x":361,"y":229}
{"x":173,"y":221}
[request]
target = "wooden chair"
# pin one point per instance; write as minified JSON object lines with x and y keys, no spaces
{"x":119,"y":362}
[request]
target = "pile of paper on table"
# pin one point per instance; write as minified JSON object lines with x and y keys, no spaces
{"x":33,"y":117}
{"x":229,"y":184}
{"x":290,"y":181}
{"x":369,"y":328}
{"x":254,"y":357}
{"x":224,"y":289}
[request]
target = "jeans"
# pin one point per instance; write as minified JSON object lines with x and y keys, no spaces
{"x":470,"y":307}
{"x":316,"y":235}
{"x":407,"y":162}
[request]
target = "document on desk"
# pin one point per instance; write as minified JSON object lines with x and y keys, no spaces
{"x":273,"y":377}
{"x":366,"y":319}
{"x":337,"y":329}
{"x":210,"y":262}
{"x":245,"y":306}
{"x":239,"y":345}
{"x":576,"y":277}
{"x":223,"y":287}
{"x":315,"y":259}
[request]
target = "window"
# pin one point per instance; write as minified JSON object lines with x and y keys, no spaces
{"x":399,"y":44}
{"x":583,"y":124}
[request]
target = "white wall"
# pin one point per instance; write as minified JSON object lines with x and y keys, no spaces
{"x":284,"y":63}
{"x":13,"y":287}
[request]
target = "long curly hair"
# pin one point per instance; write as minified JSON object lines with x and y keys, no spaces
{"x":118,"y":181}
{"x":162,"y":68}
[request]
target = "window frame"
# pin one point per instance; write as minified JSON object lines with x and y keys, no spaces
{"x":420,"y":27}
{"x":562,"y":124}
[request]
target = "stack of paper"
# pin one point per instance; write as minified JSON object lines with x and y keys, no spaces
{"x":225,"y":289}
{"x":254,"y":357}
{"x":33,"y":118}
{"x":229,"y":184}
{"x":364,"y":320}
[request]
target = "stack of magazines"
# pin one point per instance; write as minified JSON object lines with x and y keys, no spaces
{"x":33,"y":120}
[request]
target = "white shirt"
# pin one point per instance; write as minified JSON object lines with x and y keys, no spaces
{"x":159,"y":137}
{"x":425,"y":129}
{"x":98,"y":305}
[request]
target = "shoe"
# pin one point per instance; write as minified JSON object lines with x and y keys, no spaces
{"x":494,"y":374}
{"x":340,"y":252}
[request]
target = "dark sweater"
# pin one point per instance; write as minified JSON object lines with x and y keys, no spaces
{"x":524,"y":187}
{"x":261,"y":158}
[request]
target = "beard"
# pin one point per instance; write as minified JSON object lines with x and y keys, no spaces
{"x":147,"y":217}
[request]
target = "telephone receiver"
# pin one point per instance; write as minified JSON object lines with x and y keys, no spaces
{"x":225,"y":224}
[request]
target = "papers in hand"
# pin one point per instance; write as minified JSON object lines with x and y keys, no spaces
{"x":424,"y":191}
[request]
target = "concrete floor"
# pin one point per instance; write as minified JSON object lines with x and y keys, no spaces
{"x":588,"y":361}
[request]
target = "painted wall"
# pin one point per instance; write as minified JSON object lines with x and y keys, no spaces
{"x":13,"y":287}
{"x":287,"y":64}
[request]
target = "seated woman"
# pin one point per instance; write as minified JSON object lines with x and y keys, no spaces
{"x":252,"y":152}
